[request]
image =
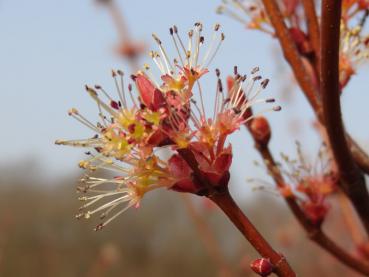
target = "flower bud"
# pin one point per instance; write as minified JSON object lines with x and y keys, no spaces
{"x":363,"y":250}
{"x":363,"y":4}
{"x":301,"y":41}
{"x":262,"y":267}
{"x":260,"y":130}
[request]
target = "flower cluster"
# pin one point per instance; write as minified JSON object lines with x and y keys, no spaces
{"x":252,"y":14}
{"x":310,"y":184}
{"x":354,"y":45}
{"x":352,"y":8}
{"x":354,"y":50}
{"x":148,"y":115}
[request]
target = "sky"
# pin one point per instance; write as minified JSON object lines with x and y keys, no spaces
{"x":50,"y":49}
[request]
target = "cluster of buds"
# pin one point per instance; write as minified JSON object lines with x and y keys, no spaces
{"x":148,"y":115}
{"x":310,"y":184}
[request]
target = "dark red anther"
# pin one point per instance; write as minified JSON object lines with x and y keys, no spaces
{"x":114,"y":105}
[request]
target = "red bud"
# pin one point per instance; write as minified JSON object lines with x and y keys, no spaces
{"x":260,"y":129}
{"x":301,"y":40}
{"x":262,"y":267}
{"x":363,"y":4}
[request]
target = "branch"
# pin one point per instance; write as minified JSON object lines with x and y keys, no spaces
{"x":229,"y":207}
{"x":361,"y":158}
{"x":353,"y":182}
{"x":325,"y":242}
{"x":293,"y":57}
{"x":291,"y":53}
{"x":313,"y":28}
{"x":313,"y":231}
{"x":220,"y":196}
{"x":350,"y":219}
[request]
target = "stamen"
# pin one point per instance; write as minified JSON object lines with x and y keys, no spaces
{"x":176,"y":45}
{"x":165,"y":57}
{"x":76,"y":115}
{"x":94,"y":96}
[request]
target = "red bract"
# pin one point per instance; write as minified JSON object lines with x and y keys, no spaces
{"x":301,"y":40}
{"x":181,"y":171}
{"x":151,"y":97}
{"x":214,"y":168}
{"x":315,"y":211}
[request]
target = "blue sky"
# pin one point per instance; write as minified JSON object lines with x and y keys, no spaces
{"x":50,"y":49}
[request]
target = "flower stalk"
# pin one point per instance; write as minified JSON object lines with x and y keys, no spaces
{"x":225,"y":202}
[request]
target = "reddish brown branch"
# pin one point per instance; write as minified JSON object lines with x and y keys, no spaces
{"x":321,"y":239}
{"x":291,"y":53}
{"x":313,"y":29}
{"x":353,"y":182}
{"x":119,"y":21}
{"x":361,"y":158}
{"x":293,"y":57}
{"x":350,"y":219}
{"x":220,"y":196}
{"x":127,"y":47}
{"x":234,"y":213}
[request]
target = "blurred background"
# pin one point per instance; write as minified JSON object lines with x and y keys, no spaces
{"x":48,"y":51}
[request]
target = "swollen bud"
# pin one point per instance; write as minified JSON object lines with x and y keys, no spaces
{"x":363,"y":4}
{"x":301,"y":40}
{"x":262,"y":267}
{"x":260,"y":130}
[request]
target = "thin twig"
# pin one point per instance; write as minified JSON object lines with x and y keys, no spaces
{"x":291,"y":53}
{"x":219,"y":194}
{"x":313,"y":29}
{"x":353,"y":182}
{"x":130,"y":49}
{"x":226,"y":203}
{"x":350,"y":219}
